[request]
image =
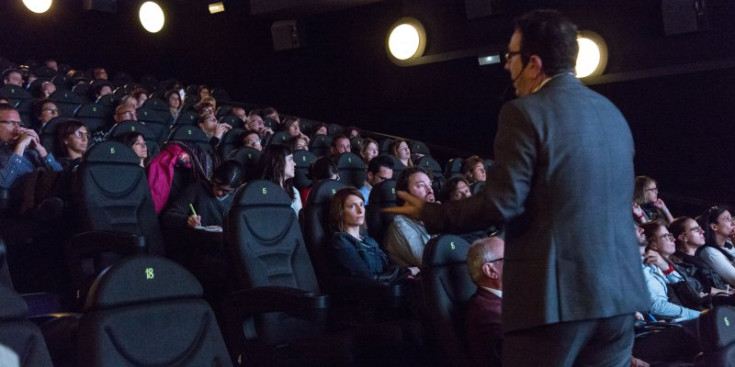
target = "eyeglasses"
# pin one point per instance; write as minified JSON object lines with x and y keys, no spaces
{"x":381,"y":178}
{"x":81,"y":134}
{"x":509,"y":55}
{"x":51,"y":110}
{"x":14,"y":123}
{"x":254,"y":141}
{"x":696,"y":229}
{"x":498,"y":259}
{"x":129,"y":113}
{"x":667,"y":236}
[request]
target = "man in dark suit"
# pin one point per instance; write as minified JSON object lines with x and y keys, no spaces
{"x":482,"y":319}
{"x":563,"y":182}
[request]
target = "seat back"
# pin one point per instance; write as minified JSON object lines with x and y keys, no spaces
{"x":320,"y":145}
{"x":382,"y":195}
{"x":67,"y":102}
{"x":303,"y":159}
{"x":248,"y":157}
{"x":419,"y":147}
{"x":25,"y":110}
{"x":352,"y":170}
{"x":315,"y":224}
{"x":334,"y":129}
{"x":94,"y":116}
{"x":148,"y":311}
{"x":230,"y":141}
{"x":446,"y":287}
{"x":232,"y":120}
{"x":265,"y":241}
{"x":186,"y":118}
{"x":155,"y":121}
{"x":454,"y":167}
{"x":19,"y":334}
{"x":280,"y":137}
{"x":112,"y":194}
{"x":13,"y":93}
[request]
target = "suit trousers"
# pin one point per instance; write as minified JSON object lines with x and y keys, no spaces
{"x":597,"y":342}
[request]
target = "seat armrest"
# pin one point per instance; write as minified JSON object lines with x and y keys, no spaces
{"x":293,"y":301}
{"x":94,"y":242}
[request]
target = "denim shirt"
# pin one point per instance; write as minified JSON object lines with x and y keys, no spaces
{"x":13,"y":166}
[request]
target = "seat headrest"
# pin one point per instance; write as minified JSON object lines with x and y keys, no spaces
{"x":304,"y":158}
{"x":350,"y":160}
{"x":111,"y":152}
{"x":384,"y":192}
{"x":189,"y":133}
{"x":323,"y":191}
{"x":429,"y":163}
{"x":444,"y":250}
{"x":141,"y":278}
{"x":261,"y":192}
{"x":130,"y":126}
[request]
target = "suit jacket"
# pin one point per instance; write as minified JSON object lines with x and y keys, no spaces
{"x":563,"y":181}
{"x":482,"y":326}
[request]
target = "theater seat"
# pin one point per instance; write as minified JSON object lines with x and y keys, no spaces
{"x":431,"y":165}
{"x":383,"y":195}
{"x":248,"y":157}
{"x":320,"y":145}
{"x":303,"y":160}
{"x":67,"y":102}
{"x":352,"y":170}
{"x":19,"y":334}
{"x":454,"y":167}
{"x":278,"y":315}
{"x":148,"y":311}
{"x":230,"y":141}
{"x":446,"y":286}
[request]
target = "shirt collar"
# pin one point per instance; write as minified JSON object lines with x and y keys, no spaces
{"x":549,"y":79}
{"x":494,"y":291}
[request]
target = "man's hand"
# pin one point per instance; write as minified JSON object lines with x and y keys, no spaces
{"x":412,"y":207}
{"x":654,"y":258}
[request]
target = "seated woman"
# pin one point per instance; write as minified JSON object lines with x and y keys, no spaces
{"x":44,"y":111}
{"x":689,"y":237}
{"x":354,"y":252}
{"x":659,"y":273}
{"x":213,"y":129}
{"x":251,"y":138}
{"x":291,"y":124}
{"x":136,"y":142}
{"x":473,"y":169}
{"x":717,"y":225}
{"x":173,"y":98}
{"x":300,"y":142}
{"x":73,"y":138}
{"x":647,"y":206}
{"x":399,"y":148}
{"x":320,"y":129}
{"x":369,"y":150}
{"x":276,"y":164}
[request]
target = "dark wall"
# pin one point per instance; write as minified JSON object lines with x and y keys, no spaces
{"x":681,"y":123}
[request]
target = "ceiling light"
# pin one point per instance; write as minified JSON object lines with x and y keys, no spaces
{"x":151,"y":16}
{"x":38,"y":6}
{"x":592,"y":57}
{"x":406,"y":40}
{"x":217,"y":7}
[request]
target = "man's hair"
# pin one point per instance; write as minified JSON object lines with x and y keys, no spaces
{"x":403,"y":178}
{"x":380,"y":161}
{"x":552,"y":37}
{"x":7,"y":107}
{"x":478,"y":254}
{"x":338,"y":137}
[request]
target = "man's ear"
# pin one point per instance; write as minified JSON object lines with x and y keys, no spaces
{"x":489,"y":270}
{"x":536,"y":65}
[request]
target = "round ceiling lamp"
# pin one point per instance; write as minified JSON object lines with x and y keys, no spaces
{"x":38,"y":6}
{"x":406,"y":41}
{"x":151,"y":16}
{"x":592,"y":57}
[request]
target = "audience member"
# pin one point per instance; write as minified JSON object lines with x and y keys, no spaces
{"x":240,"y":113}
{"x":20,"y":149}
{"x":100,"y":73}
{"x":13,"y":77}
{"x":256,"y":123}
{"x":658,"y":273}
{"x":717,"y":225}
{"x":353,"y":251}
{"x":73,"y":138}
{"x":213,"y":128}
{"x":406,"y":237}
{"x":379,"y":169}
{"x":369,"y":150}
{"x":203,"y":92}
{"x":136,"y":142}
{"x":320,"y":129}
{"x":140,"y":95}
{"x":399,"y":148}
{"x":352,"y":132}
{"x":46,"y":89}
{"x":204,"y":109}
{"x":482,"y":318}
{"x":647,"y":206}
{"x":455,"y":188}
{"x":300,"y":142}
{"x":340,"y":144}
{"x":44,"y":111}
{"x":51,"y":63}
{"x":322,"y":169}
{"x":174,"y":103}
{"x":473,"y":169}
{"x":276,"y":164}
{"x":251,"y":138}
